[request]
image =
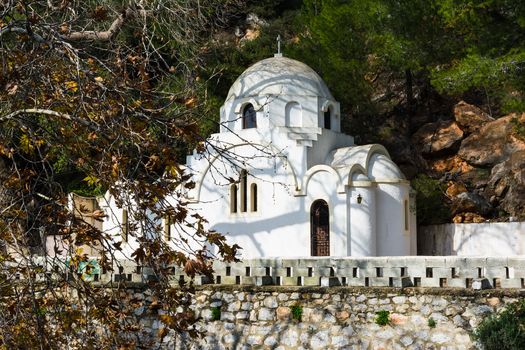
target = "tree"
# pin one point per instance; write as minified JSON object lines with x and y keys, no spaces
{"x":96,"y":96}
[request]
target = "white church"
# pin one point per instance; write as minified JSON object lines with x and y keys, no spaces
{"x":281,"y":180}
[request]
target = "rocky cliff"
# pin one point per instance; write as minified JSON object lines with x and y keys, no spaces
{"x":475,"y":160}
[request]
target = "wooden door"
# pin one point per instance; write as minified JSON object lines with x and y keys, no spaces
{"x":320,"y":228}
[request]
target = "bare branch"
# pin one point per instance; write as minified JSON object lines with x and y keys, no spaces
{"x":108,"y":35}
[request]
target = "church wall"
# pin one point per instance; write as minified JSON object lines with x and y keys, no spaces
{"x":392,"y":238}
{"x":280,"y":216}
{"x":326,"y":142}
{"x":322,"y":185}
{"x":362,"y":221}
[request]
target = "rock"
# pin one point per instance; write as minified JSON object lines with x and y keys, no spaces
{"x":507,"y":184}
{"x":246,"y":306}
{"x":386,"y":333}
{"x":320,"y":340}
{"x":406,"y":340}
{"x":494,"y":301}
{"x":270,"y":302}
{"x":439,"y":338}
{"x":290,"y":338}
{"x":493,"y":143}
{"x":454,"y":189}
{"x":339,"y":341}
{"x":470,"y":202}
{"x":254,"y":340}
{"x":265,"y":314}
{"x":468,"y":218}
{"x":342,"y":315}
{"x":235,"y":306}
{"x":452,"y":164}
{"x":458,"y":321}
{"x":470,"y":118}
{"x":438,"y":136}
{"x":243,"y":315}
{"x":270,"y":341}
{"x":283,"y":313}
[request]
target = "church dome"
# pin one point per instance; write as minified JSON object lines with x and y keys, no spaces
{"x":279,"y":76}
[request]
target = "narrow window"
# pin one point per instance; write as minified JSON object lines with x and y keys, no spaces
{"x":406,"y":215}
{"x":125,"y":225}
{"x":327,"y":119}
{"x":167,"y":228}
{"x":244,"y":191}
{"x":233,"y":198}
{"x":253,"y":197}
{"x":249,"y":117}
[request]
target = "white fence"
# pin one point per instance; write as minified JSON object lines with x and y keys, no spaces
{"x":416,"y":271}
{"x":484,"y":239}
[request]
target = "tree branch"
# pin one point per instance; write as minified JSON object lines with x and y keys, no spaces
{"x":108,"y":35}
{"x":43,"y":111}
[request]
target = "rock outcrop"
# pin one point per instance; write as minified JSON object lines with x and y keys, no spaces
{"x":481,"y":159}
{"x":493,"y":143}
{"x":438,"y":136}
{"x":470,"y":118}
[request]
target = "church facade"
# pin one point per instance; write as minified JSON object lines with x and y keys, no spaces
{"x":281,"y":180}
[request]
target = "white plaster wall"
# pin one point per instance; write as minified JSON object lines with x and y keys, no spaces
{"x":489,"y":239}
{"x":278,"y":226}
{"x":392,"y":238}
{"x":326,"y":142}
{"x":322,"y":185}
{"x":362,"y":221}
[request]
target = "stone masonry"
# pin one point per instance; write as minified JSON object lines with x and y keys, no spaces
{"x":339,"y":318}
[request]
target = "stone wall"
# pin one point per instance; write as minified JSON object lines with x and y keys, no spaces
{"x":476,"y":239}
{"x":339,"y":317}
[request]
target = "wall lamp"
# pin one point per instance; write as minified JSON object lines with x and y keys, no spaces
{"x":359,"y":198}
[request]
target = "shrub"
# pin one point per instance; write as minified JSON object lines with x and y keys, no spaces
{"x":505,"y":330}
{"x":431,"y":323}
{"x":297,"y":312}
{"x":382,"y":317}
{"x":431,"y":201}
{"x":215,"y":313}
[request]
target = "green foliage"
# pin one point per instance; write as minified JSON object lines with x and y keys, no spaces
{"x":431,"y":323}
{"x":382,"y":317}
{"x":505,"y":330}
{"x":432,"y":207}
{"x":215,"y":313}
{"x":297,"y":312}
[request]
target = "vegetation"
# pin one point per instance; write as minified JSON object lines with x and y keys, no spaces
{"x":382,"y":317}
{"x":215,"y":313}
{"x":96,"y":96}
{"x":431,"y":201}
{"x":505,"y":330}
{"x":297,"y":312}
{"x":431,"y":323}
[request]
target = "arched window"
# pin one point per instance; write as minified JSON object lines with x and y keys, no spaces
{"x":293,"y":114}
{"x":253,"y":197}
{"x":233,"y":198}
{"x":167,"y":228}
{"x":249,"y":117}
{"x":125,"y":225}
{"x":328,"y":119}
{"x":244,"y":191}
{"x":320,"y":228}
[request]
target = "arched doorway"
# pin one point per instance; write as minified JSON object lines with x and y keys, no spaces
{"x":320,"y":228}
